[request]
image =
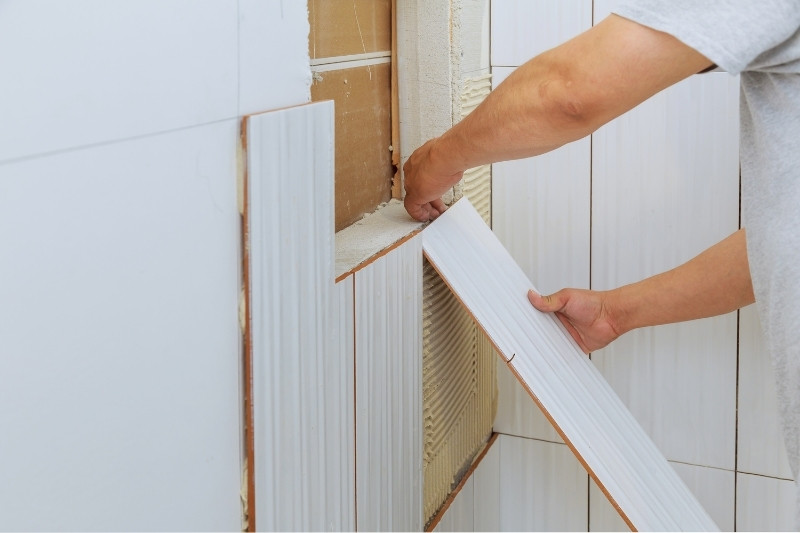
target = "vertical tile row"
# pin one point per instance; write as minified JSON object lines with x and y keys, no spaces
{"x":388,"y":373}
{"x":302,"y":427}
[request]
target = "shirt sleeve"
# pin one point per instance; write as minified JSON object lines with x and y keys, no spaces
{"x":731,"y":33}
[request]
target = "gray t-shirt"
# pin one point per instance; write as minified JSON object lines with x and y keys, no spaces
{"x":759,"y":39}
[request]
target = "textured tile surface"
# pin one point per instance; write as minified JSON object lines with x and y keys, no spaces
{"x":96,"y":71}
{"x":761,"y":445}
{"x":561,"y":379}
{"x":665,"y":186}
{"x":301,"y":383}
{"x":522,"y":29}
{"x":388,"y":296}
{"x":544,"y":488}
{"x":120,"y":343}
{"x":764,"y":503}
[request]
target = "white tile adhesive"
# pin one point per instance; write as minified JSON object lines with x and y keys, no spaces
{"x":592,"y":420}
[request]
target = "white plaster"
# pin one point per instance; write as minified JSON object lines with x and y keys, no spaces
{"x":372,"y":234}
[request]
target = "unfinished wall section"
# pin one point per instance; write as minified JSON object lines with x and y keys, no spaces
{"x":443,"y":53}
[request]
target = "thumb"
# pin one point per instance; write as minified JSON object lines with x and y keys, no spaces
{"x":547,"y":304}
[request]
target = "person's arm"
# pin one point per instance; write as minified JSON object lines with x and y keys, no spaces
{"x":557,"y":97}
{"x":715,"y":282}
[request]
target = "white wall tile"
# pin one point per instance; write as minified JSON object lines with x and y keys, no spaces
{"x":301,"y":388}
{"x":459,"y":516}
{"x":560,"y":378}
{"x":487,"y":489}
{"x":119,"y":379}
{"x":389,"y":390}
{"x":602,"y":8}
{"x":665,"y":187}
{"x":340,"y":493}
{"x":602,"y":515}
{"x":543,"y":487}
{"x":765,"y":504}
{"x":273,"y":45}
{"x":761,"y":445}
{"x":541,"y":211}
{"x":95,"y":71}
{"x":522,"y":29}
{"x":715,"y":489}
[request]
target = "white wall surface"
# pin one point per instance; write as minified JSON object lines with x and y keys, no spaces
{"x":119,"y":234}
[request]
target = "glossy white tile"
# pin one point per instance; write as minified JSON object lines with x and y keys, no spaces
{"x":761,"y":445}
{"x":94,"y":71}
{"x":522,"y":29}
{"x":589,"y":416}
{"x":388,"y":296}
{"x":665,"y":185}
{"x":273,"y":45}
{"x":119,"y":334}
{"x":301,"y":387}
{"x":765,"y":503}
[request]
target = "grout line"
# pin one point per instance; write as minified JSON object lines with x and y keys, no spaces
{"x":736,"y":400}
{"x":61,"y":151}
{"x":355,"y":415}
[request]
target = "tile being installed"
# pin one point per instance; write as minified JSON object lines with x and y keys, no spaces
{"x":541,"y":209}
{"x":388,"y":369}
{"x":152,"y":65}
{"x":591,"y":419}
{"x":302,"y":380}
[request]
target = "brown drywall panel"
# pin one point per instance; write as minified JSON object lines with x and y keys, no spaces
{"x":363,"y":136}
{"x":346,"y":27}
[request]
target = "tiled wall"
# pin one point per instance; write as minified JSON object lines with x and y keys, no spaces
{"x":120,"y":270}
{"x":661,"y":184}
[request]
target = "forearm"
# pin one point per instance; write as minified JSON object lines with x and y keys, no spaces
{"x":715,"y":282}
{"x":567,"y":93}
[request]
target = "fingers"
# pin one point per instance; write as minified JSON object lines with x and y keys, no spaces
{"x":547,"y":304}
{"x":425,"y":212}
